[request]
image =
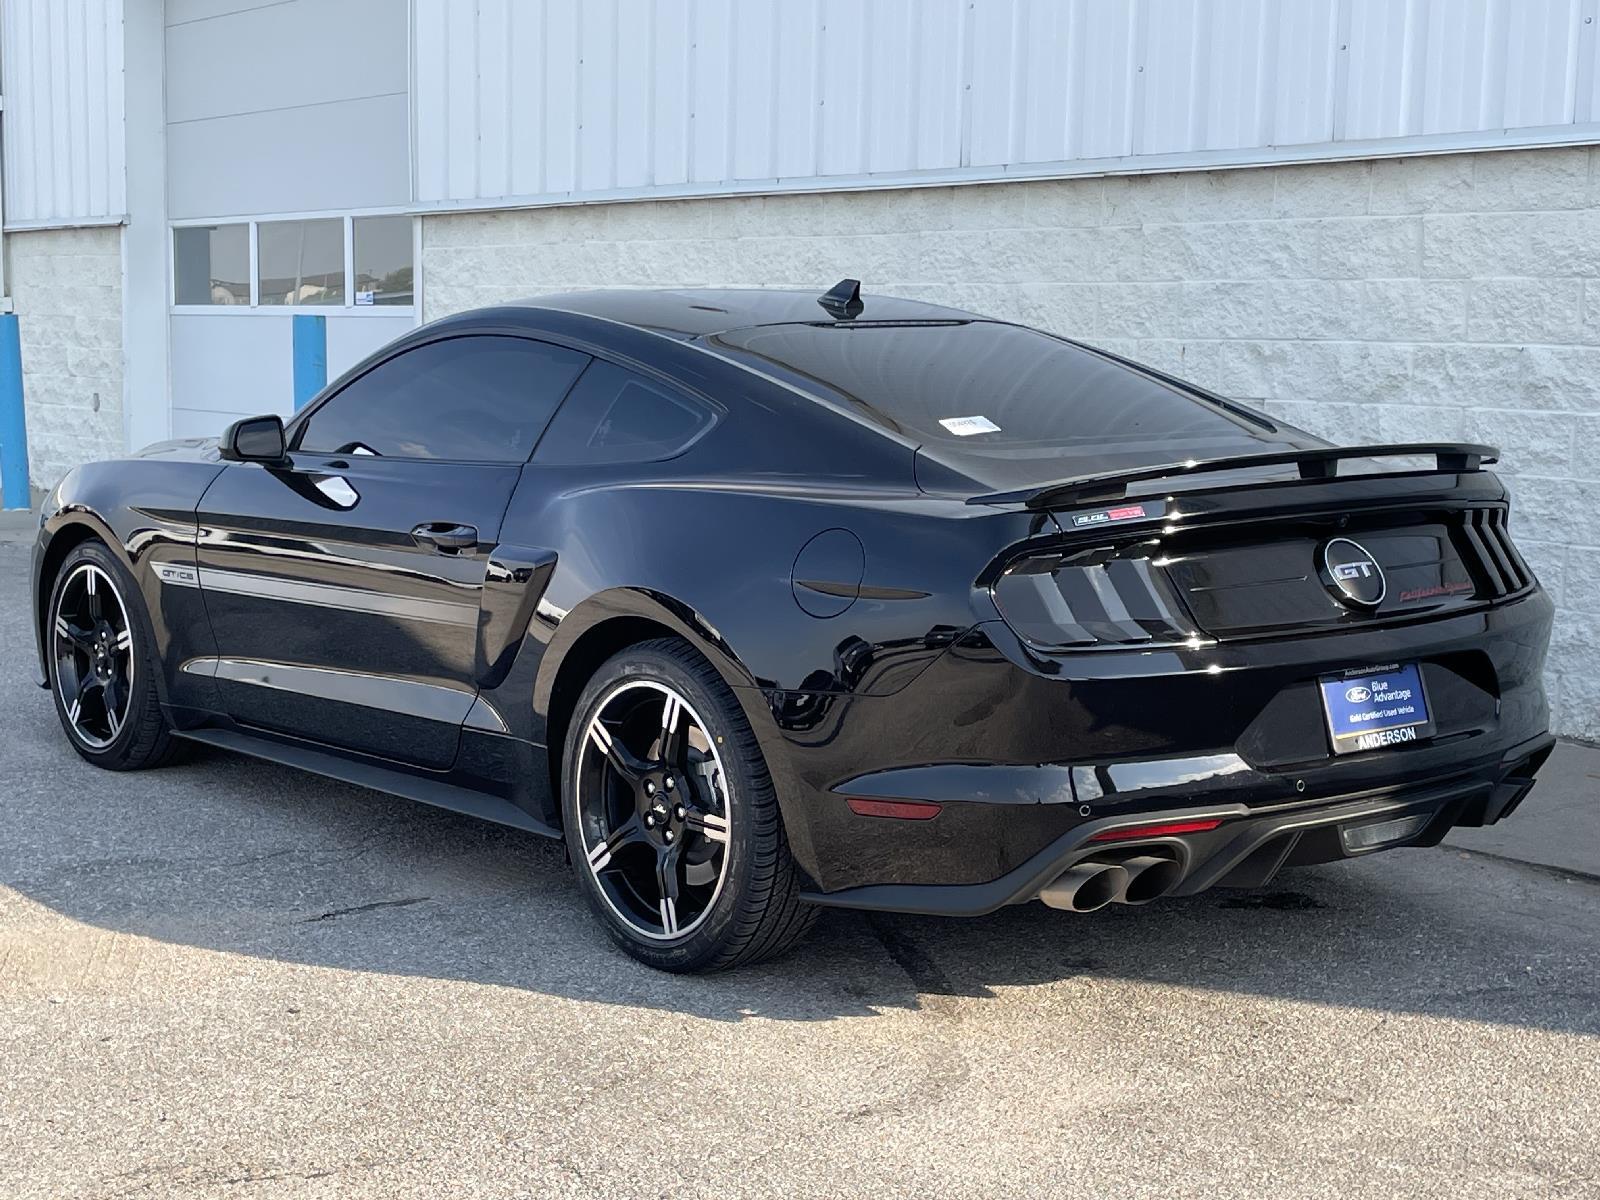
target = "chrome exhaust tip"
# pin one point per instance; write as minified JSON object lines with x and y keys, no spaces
{"x":1085,"y":887}
{"x":1149,"y":878}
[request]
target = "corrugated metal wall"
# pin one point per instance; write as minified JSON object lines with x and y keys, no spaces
{"x":551,"y":98}
{"x":61,"y":77}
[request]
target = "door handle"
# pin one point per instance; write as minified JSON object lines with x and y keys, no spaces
{"x":445,"y":537}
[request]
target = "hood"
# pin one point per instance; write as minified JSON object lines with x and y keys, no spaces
{"x":181,"y":450}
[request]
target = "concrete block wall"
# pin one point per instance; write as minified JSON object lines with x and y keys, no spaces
{"x":1448,"y":297}
{"x":66,"y":285}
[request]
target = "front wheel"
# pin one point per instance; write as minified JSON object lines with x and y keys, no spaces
{"x":671,"y":818}
{"x":103,"y":664}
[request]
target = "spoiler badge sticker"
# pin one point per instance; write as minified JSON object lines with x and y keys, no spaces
{"x":1105,"y":516}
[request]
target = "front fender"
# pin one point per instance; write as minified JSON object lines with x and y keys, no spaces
{"x":142,"y":510}
{"x":63,"y":524}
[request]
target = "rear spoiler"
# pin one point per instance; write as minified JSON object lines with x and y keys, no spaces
{"x":1320,"y":463}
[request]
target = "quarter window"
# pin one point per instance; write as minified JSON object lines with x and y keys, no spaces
{"x":472,"y":399}
{"x":614,"y":415}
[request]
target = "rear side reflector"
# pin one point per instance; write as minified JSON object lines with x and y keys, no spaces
{"x":904,"y":810}
{"x":1168,"y":829}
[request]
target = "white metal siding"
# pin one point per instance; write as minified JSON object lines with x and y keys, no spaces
{"x":61,"y":75}
{"x":293,"y":106}
{"x":557,"y":99}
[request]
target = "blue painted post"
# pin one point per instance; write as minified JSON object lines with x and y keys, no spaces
{"x":310,"y":357}
{"x":13,"y":420}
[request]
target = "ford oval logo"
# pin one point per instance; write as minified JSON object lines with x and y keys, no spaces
{"x":1352,"y":574}
{"x":1358,"y":694}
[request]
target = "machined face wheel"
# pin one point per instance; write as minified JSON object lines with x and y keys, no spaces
{"x":92,"y":650}
{"x":653,"y":807}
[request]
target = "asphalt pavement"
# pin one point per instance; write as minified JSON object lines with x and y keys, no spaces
{"x":228,"y":979}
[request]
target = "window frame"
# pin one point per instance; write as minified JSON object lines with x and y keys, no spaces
{"x":715,"y":408}
{"x":256,"y":309}
{"x":295,"y":429}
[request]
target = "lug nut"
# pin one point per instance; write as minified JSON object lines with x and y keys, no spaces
{"x":668,"y":836}
{"x":679,"y":811}
{"x":669,"y":783}
{"x":649,"y":821}
{"x":649,"y":788}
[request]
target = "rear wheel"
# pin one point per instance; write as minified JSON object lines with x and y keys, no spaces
{"x":103,"y":666}
{"x":671,"y":818}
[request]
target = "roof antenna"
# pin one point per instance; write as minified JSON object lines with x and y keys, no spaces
{"x":842,"y":301}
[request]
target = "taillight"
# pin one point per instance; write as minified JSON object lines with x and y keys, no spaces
{"x":1052,"y":601}
{"x":1488,"y":533}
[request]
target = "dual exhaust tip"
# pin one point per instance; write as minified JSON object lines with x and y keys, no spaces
{"x":1093,"y":884}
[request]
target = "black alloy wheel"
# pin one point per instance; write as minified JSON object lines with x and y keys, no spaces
{"x":652,"y":798}
{"x":671,"y":817}
{"x":103,"y":671}
{"x":92,"y":644}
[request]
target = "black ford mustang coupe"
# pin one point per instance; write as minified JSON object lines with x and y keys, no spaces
{"x":763,"y":605}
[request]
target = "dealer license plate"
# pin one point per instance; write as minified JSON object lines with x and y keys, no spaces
{"x":1373,"y":709}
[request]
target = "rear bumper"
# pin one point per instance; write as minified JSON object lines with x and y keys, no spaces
{"x":1246,"y":849}
{"x":1026,"y":753}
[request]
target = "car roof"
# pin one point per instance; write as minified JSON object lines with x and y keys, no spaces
{"x":932,"y":390}
{"x":698,"y":312}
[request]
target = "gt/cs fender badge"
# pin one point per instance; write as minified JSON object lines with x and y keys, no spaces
{"x":178,"y":574}
{"x":1352,"y":574}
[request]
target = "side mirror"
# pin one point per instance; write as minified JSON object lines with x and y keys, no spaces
{"x":254,"y":439}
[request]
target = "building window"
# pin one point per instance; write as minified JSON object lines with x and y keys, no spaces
{"x":383,"y":260}
{"x":300,"y":262}
{"x":313,"y":262}
{"x":211,"y":264}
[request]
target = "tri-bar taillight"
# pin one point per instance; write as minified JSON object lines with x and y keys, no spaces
{"x":1487,"y":533}
{"x":1052,"y":601}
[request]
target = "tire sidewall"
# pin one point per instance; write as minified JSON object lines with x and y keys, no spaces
{"x":138,"y":624}
{"x":717,"y":713}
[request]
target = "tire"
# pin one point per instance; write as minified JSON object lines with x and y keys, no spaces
{"x":118,"y":723}
{"x":737,"y":889}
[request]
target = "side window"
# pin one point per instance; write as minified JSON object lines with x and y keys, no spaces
{"x":475,"y":399}
{"x":614,"y":416}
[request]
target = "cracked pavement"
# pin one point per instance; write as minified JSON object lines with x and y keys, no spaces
{"x":229,"y":979}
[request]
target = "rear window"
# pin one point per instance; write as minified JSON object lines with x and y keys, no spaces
{"x":978,"y":385}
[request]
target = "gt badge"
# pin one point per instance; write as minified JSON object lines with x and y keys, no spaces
{"x":1352,"y":574}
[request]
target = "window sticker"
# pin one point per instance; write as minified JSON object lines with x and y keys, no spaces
{"x":968,"y":426}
